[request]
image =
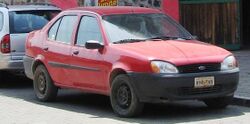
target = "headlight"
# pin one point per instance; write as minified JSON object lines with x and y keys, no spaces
{"x":229,"y":63}
{"x":163,"y":67}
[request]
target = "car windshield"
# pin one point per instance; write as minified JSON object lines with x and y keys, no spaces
{"x":27,"y":21}
{"x":140,"y":27}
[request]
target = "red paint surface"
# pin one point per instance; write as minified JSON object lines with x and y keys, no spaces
{"x":171,"y":7}
{"x":65,"y":4}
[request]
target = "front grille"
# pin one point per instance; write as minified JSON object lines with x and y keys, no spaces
{"x":186,"y":91}
{"x":196,"y":68}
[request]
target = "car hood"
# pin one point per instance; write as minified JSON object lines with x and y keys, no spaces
{"x":176,"y":51}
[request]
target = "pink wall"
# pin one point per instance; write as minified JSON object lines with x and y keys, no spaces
{"x":171,"y":7}
{"x":65,"y":4}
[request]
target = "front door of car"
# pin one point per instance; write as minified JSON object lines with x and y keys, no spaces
{"x":87,"y":64}
{"x":58,"y":48}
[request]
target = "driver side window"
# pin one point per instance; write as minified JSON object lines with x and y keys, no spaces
{"x":88,"y":30}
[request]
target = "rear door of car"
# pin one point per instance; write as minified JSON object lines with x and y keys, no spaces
{"x":57,"y":48}
{"x":23,"y":22}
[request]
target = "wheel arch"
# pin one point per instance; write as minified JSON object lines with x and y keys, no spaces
{"x":39,"y":60}
{"x":115,"y":72}
{"x":36,"y":64}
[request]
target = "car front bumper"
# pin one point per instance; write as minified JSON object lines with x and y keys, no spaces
{"x":156,"y":88}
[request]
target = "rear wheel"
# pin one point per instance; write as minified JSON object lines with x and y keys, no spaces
{"x":44,"y":87}
{"x":218,"y":103}
{"x":124,"y":101}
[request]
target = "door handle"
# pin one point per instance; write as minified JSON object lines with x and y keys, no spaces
{"x":76,"y":52}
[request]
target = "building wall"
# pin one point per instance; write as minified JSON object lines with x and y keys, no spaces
{"x":170,"y":7}
{"x":213,"y":21}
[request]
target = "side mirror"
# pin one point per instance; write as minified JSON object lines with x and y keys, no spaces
{"x":92,"y":44}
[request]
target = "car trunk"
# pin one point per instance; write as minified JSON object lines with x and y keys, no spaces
{"x":17,"y":42}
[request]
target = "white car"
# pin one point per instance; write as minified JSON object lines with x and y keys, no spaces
{"x":16,"y":21}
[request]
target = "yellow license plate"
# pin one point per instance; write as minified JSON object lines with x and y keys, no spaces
{"x":203,"y":82}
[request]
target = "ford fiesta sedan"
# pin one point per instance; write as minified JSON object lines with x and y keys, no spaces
{"x":134,"y":55}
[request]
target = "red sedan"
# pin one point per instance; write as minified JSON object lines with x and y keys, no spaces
{"x":134,"y":55}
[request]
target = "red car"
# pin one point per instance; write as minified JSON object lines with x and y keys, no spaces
{"x":134,"y":55}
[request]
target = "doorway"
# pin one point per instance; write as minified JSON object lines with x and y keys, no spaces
{"x":245,"y":23}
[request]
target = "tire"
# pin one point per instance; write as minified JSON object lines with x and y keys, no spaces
{"x":218,"y":103}
{"x":124,"y":101}
{"x":44,"y":88}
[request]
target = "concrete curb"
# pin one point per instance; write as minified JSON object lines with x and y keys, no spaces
{"x":241,"y":101}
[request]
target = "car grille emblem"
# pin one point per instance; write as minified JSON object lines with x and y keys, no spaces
{"x":202,"y":68}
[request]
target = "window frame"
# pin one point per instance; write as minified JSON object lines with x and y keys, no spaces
{"x":78,"y":27}
{"x":61,"y":18}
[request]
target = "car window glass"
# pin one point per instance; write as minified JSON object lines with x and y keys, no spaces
{"x":1,"y":21}
{"x":27,"y":21}
{"x":88,"y":30}
{"x":66,"y":28}
{"x":142,"y":26}
{"x":53,"y":30}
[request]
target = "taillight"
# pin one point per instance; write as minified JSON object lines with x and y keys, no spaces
{"x":5,"y":44}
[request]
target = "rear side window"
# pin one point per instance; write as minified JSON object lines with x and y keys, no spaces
{"x":66,"y":28}
{"x":53,"y":30}
{"x":1,"y":21}
{"x":27,"y":21}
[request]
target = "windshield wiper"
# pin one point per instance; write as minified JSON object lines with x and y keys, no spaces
{"x":169,"y":38}
{"x":128,"y":41}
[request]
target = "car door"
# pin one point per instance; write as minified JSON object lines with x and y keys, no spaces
{"x":58,"y":48}
{"x":87,"y":64}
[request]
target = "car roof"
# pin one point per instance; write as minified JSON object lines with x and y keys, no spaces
{"x":31,"y":7}
{"x":116,"y":10}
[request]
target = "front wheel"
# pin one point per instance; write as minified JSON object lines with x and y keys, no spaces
{"x":124,"y":101}
{"x":44,"y":87}
{"x":218,"y":103}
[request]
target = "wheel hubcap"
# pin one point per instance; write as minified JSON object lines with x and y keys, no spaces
{"x":41,"y":83}
{"x":123,"y":96}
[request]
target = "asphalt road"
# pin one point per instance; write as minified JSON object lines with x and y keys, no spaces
{"x":18,"y":105}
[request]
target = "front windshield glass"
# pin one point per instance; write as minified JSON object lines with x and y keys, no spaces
{"x":143,"y":27}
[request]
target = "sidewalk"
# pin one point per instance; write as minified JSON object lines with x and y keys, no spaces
{"x":242,"y":95}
